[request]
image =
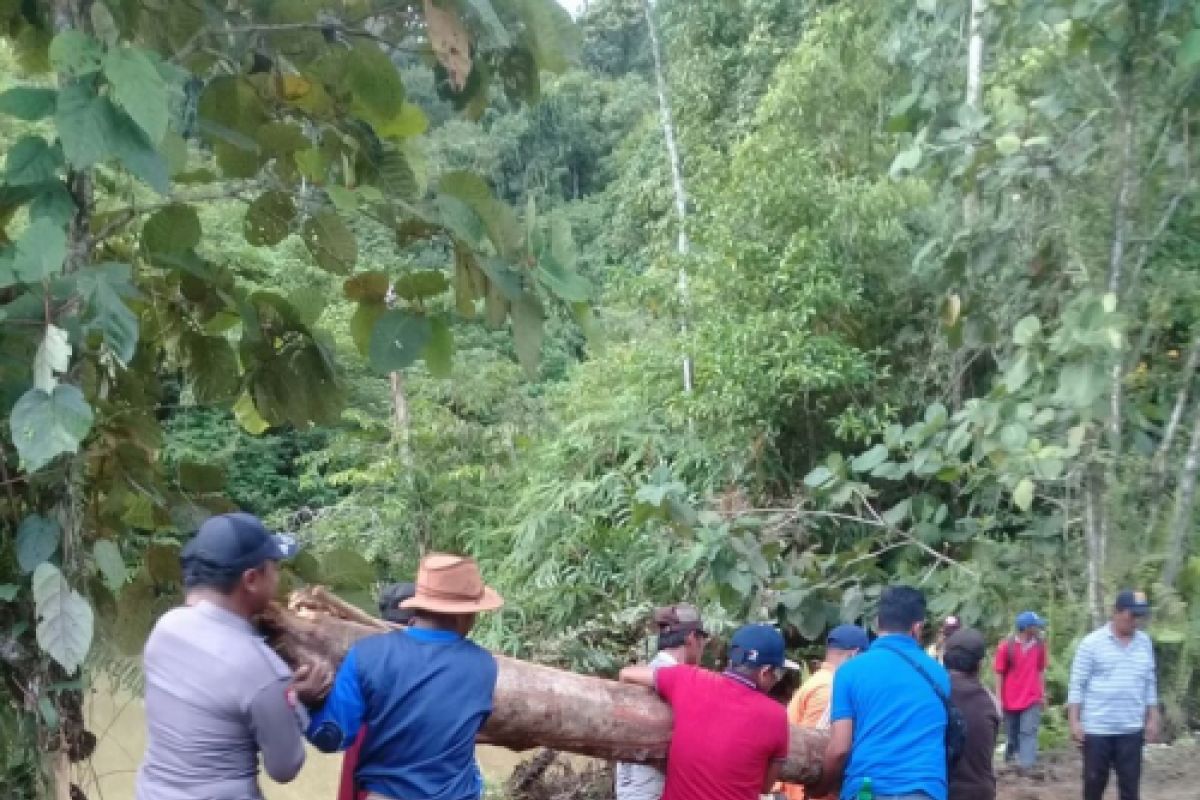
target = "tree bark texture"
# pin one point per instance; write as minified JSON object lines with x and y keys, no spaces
{"x":1181,"y":529}
{"x":1181,"y":400}
{"x":534,"y":706}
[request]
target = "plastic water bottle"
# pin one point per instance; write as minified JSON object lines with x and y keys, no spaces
{"x":865,"y":791}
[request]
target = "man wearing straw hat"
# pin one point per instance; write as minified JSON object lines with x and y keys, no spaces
{"x":424,"y":692}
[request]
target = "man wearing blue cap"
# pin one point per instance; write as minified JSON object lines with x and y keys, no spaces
{"x":809,"y":707}
{"x":216,"y":695}
{"x":1020,"y":668}
{"x":728,"y":738}
{"x":1112,"y":699}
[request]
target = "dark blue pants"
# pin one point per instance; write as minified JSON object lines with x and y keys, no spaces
{"x":1121,"y":753}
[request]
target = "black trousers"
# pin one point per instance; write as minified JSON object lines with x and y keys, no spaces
{"x":1122,"y":753}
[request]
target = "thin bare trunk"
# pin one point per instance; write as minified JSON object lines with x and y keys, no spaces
{"x":1126,"y":197}
{"x":974,"y":90}
{"x":1093,"y":532}
{"x":1180,"y":530}
{"x":401,"y":427}
{"x":1181,"y":400}
{"x":683,"y":246}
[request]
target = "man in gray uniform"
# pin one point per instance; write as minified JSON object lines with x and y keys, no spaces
{"x":681,"y":640}
{"x":216,"y":694}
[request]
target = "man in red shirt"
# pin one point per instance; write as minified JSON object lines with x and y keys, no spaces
{"x":728,"y":739}
{"x":1020,"y":666}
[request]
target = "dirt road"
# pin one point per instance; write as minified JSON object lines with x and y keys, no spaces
{"x":1169,"y":773}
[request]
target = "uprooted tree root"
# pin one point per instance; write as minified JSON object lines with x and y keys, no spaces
{"x":548,"y":776}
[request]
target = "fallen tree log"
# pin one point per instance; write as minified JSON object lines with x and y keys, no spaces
{"x":534,"y":706}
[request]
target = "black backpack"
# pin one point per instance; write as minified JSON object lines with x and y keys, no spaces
{"x":956,"y":723}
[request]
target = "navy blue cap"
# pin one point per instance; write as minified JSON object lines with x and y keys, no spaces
{"x":1029,"y":619}
{"x":848,"y":637}
{"x":238,"y":542}
{"x":757,"y":646}
{"x":1130,"y":600}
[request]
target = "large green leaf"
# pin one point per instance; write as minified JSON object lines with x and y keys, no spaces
{"x":1188,"y":54}
{"x":230,"y":105}
{"x":211,"y":367}
{"x":138,"y":88}
{"x":204,"y":478}
{"x":30,"y":103}
{"x":105,"y":287}
{"x":47,"y":424}
{"x":75,"y":53}
{"x":53,"y":358}
{"x":37,"y":541}
{"x":269,"y":219}
{"x":421,"y":284}
{"x":40,"y":251}
{"x":497,"y":218}
{"x":111,"y":564}
{"x":31,"y":161}
{"x":346,"y":569}
{"x":870,"y":459}
{"x":440,"y":350}
{"x":527,"y":322}
{"x":297,"y":384}
{"x":374,"y":82}
{"x":330,"y":241}
{"x":85,"y":123}
{"x":137,"y":154}
{"x":65,"y":619}
{"x":398,"y":340}
{"x":550,"y":33}
{"x":174,"y":229}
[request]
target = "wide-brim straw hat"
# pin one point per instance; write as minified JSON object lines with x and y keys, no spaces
{"x":448,"y":584}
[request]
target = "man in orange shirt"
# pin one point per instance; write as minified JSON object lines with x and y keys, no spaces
{"x":810,"y":705}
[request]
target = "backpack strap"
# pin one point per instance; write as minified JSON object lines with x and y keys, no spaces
{"x":920,"y":671}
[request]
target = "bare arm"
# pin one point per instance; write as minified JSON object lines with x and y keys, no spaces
{"x":774,"y":769}
{"x":841,"y":735}
{"x":640,"y":674}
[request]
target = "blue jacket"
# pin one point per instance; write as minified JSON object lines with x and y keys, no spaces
{"x":423,"y":696}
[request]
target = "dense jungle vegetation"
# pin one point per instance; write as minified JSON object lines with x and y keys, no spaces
{"x":405,"y":276}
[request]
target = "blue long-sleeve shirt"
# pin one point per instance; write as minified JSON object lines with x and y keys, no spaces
{"x":423,"y":696}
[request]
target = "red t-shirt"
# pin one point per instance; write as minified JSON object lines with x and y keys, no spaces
{"x":1020,"y":670}
{"x":724,"y":736}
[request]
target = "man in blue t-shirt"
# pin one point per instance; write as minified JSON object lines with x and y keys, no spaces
{"x":423,"y":693}
{"x":887,"y":723}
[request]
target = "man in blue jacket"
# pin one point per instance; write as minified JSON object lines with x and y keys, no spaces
{"x":422,"y":692}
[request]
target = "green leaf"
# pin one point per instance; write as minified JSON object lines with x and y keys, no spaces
{"x":497,"y":218}
{"x":1018,"y":373}
{"x":65,"y":619}
{"x":137,"y":153}
{"x":29,"y":103}
{"x":269,"y":219}
{"x":111,"y":564}
{"x":174,"y":229}
{"x":1023,"y":494}
{"x":32,"y":161}
{"x":40,"y":251}
{"x":53,"y":358}
{"x":905,"y":161}
{"x":138,"y":88}
{"x":494,"y":36}
{"x":398,"y":340}
{"x":104,"y":288}
{"x":408,"y":122}
{"x":366,"y":286}
{"x":362,"y":324}
{"x":528,"y":323}
{"x":8,"y":592}
{"x":927,"y":6}
{"x":374,"y":82}
{"x":280,"y":138}
{"x":897,"y":513}
{"x":230,"y":105}
{"x":202,"y":478}
{"x":421,"y":284}
{"x":1080,"y":384}
{"x":346,"y":569}
{"x":75,"y":53}
{"x":37,"y":541}
{"x":45,"y":425}
{"x":1027,"y":330}
{"x":309,"y":302}
{"x":211,"y":368}
{"x":869,"y":460}
{"x":1188,"y":55}
{"x":246,"y":413}
{"x":439,"y":351}
{"x":330,"y":241}
{"x":819,"y":477}
{"x":1008,"y":144}
{"x":53,"y":204}
{"x":85,"y":123}
{"x":1014,"y":437}
{"x":550,"y":33}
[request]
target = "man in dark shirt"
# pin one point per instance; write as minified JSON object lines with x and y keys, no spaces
{"x":423,"y":692}
{"x":972,"y":778}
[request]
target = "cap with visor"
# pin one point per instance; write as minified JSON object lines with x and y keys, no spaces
{"x":237,"y":542}
{"x":1135,"y":601}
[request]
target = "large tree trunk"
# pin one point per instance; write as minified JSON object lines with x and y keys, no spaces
{"x":534,"y":706}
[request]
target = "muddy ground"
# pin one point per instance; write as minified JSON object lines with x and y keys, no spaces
{"x":1168,"y":773}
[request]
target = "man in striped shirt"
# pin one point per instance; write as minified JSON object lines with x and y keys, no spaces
{"x":1112,"y":701}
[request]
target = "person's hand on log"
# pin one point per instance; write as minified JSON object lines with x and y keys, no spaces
{"x":312,"y":682}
